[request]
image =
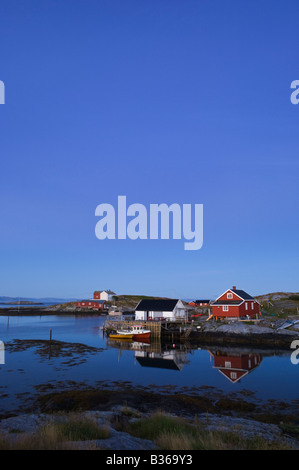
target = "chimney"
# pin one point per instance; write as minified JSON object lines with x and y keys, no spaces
{"x":234,"y":287}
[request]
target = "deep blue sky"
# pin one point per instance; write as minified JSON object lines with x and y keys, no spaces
{"x":162,"y":101}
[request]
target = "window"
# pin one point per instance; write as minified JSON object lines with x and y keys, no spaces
{"x":246,"y":306}
{"x":227,"y":365}
{"x":252,"y":306}
{"x":233,"y":375}
{"x":229,"y":295}
{"x":225,"y":308}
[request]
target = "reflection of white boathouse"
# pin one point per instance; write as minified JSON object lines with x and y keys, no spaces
{"x":170,"y":359}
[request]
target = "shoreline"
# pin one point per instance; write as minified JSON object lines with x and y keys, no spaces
{"x":121,"y":406}
{"x":231,"y":334}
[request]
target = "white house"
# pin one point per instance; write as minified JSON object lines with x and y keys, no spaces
{"x":161,"y":309}
{"x":104,"y":295}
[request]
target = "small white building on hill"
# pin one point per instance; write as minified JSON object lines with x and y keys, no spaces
{"x":104,"y":295}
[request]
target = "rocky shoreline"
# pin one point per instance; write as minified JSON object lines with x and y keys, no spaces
{"x":117,"y":407}
{"x":264,"y":334}
{"x":242,"y":334}
{"x":14,"y":429}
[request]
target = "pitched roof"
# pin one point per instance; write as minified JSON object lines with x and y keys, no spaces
{"x":242,"y":294}
{"x":157,"y":305}
{"x":108,"y":292}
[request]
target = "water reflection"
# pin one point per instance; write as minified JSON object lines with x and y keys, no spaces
{"x":155,"y":354}
{"x":235,"y":365}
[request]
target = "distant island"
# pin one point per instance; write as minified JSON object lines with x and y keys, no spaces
{"x":21,"y":302}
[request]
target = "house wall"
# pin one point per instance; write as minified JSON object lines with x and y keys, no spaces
{"x":233,"y":311}
{"x":104,"y":296}
{"x":252,"y":312}
{"x":225,"y":298}
{"x":91,"y":305}
{"x":142,"y":315}
{"x":236,"y":311}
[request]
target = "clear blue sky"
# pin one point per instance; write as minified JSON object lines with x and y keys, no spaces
{"x":162,"y":101}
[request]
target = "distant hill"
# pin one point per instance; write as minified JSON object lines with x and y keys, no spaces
{"x":129,"y":302}
{"x":46,"y":300}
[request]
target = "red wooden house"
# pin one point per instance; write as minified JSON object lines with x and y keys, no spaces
{"x":92,"y":304}
{"x":235,"y":303}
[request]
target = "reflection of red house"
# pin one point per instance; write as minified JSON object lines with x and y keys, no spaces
{"x":235,"y":303}
{"x":92,"y":304}
{"x":235,"y":367}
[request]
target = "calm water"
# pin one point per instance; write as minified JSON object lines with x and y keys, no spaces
{"x":269,"y":374}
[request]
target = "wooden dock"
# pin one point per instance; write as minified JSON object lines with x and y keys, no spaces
{"x":154,"y":326}
{"x":159,"y":329}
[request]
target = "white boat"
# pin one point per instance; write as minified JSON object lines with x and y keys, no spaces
{"x":133,"y":332}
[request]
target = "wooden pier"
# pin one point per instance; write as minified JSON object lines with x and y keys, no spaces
{"x":154,"y":326}
{"x":159,"y":329}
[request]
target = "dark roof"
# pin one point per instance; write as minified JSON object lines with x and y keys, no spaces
{"x":157,"y":305}
{"x":108,"y":292}
{"x":202,"y":301}
{"x":157,"y":362}
{"x":242,"y":294}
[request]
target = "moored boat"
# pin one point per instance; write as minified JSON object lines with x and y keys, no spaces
{"x":121,"y":335}
{"x":140,"y":332}
{"x":133,"y":332}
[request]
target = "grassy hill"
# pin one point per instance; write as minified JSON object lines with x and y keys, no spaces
{"x":123,"y":302}
{"x":280,"y":304}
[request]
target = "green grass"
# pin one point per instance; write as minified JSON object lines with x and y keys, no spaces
{"x":170,"y":433}
{"x":291,"y":429}
{"x":78,"y":429}
{"x":57,"y":434}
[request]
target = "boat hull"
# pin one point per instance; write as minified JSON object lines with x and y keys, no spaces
{"x":142,"y":335}
{"x":121,"y":336}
